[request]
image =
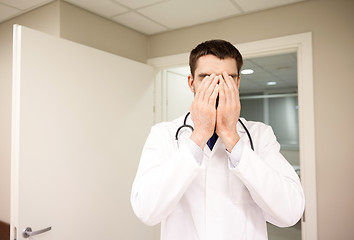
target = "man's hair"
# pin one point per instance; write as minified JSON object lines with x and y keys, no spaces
{"x":219,"y":48}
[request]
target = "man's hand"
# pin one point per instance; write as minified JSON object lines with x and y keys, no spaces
{"x":228,"y":111}
{"x":203,"y":110}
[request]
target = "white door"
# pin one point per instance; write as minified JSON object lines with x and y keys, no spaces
{"x":80,"y":119}
{"x":179,"y":97}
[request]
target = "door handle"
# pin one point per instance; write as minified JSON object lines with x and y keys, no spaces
{"x":28,"y":232}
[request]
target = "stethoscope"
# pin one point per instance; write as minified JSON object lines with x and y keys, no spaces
{"x":185,"y":125}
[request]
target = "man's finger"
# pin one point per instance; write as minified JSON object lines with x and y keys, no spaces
{"x":231,"y":83}
{"x":214,"y":95}
{"x":211,"y":88}
{"x":199,"y":92}
{"x":222,"y":97}
{"x":204,"y":85}
{"x":231,"y":87}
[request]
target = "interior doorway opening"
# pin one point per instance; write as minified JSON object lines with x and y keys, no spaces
{"x":268,"y":93}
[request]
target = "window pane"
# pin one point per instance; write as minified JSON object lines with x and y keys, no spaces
{"x":252,"y":109}
{"x":283,"y":117}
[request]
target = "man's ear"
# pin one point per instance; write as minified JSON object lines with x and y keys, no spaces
{"x":190,"y":82}
{"x":238,"y":82}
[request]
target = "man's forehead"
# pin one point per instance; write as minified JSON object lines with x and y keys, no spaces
{"x":212,"y":64}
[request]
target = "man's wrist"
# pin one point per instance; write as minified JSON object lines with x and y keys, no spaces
{"x":230,"y":141}
{"x":199,"y":138}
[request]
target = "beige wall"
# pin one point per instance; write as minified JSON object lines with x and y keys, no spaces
{"x":89,"y":29}
{"x":331,"y":23}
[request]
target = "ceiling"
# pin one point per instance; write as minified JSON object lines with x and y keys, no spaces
{"x":153,"y":16}
{"x":156,"y":16}
{"x":281,"y":69}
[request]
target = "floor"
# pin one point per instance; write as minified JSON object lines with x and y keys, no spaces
{"x":291,"y":233}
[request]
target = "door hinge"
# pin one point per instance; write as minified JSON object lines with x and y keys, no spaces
{"x":303,"y":216}
{"x":15,"y":233}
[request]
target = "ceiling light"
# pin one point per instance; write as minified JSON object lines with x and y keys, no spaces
{"x":271,"y":83}
{"x":247,"y":71}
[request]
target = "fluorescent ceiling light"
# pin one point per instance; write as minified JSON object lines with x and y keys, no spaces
{"x":247,"y":71}
{"x":271,"y":83}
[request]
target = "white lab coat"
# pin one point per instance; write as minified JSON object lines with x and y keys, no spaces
{"x":212,"y":200}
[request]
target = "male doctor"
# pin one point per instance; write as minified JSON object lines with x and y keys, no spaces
{"x":209,"y":184}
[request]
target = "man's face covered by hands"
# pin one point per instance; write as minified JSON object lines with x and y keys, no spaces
{"x":213,"y":79}
{"x":209,"y":64}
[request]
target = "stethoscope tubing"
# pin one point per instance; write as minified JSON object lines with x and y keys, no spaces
{"x":184,"y":125}
{"x":190,"y":127}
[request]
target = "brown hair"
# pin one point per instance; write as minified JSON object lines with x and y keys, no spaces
{"x":219,"y":48}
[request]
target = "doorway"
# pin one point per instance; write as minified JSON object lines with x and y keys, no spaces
{"x":268,"y":93}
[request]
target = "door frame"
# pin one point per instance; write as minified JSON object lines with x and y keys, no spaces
{"x":302,"y":45}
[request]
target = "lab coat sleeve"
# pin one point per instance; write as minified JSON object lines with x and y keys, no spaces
{"x":164,"y":174}
{"x":271,"y":180}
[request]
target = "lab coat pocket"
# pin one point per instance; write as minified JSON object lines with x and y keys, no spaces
{"x":238,"y":191}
